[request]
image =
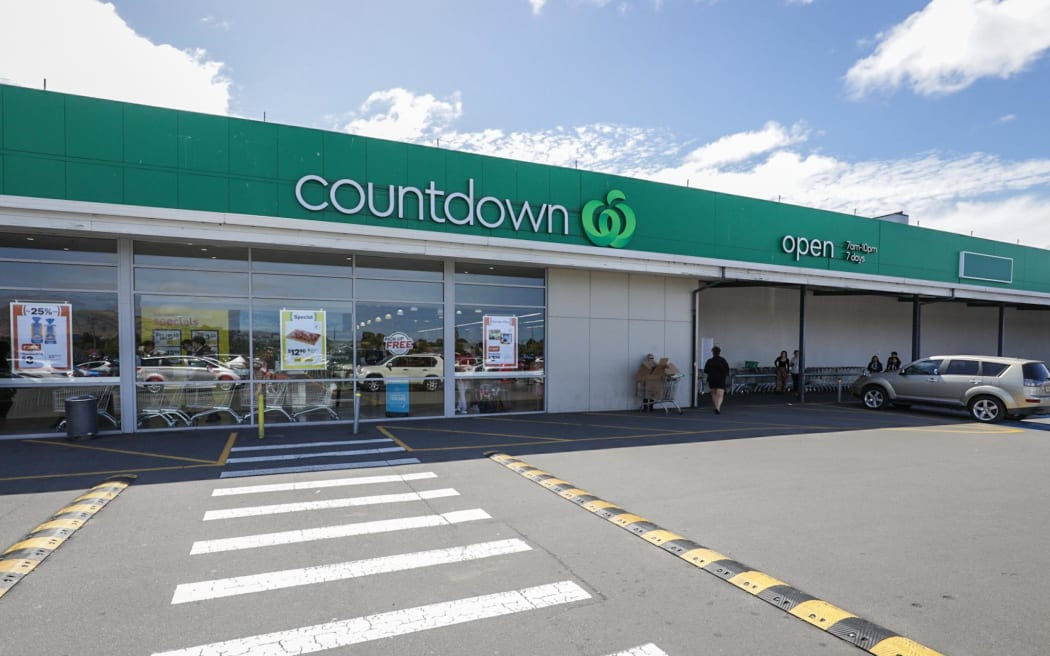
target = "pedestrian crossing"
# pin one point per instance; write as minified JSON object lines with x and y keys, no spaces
{"x":299,"y":457}
{"x":242,"y":525}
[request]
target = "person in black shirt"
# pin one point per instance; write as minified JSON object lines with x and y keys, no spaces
{"x":893,"y":363}
{"x":717,"y":370}
{"x":875,"y":365}
{"x":782,"y":366}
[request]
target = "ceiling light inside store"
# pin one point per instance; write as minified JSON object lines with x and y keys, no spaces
{"x":386,"y":316}
{"x":400,"y":312}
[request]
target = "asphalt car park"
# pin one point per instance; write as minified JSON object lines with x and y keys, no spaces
{"x":919,"y":521}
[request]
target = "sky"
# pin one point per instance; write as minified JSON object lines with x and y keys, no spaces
{"x":936,"y":108}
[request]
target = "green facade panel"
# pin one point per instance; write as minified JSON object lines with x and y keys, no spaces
{"x":253,"y":149}
{"x":94,"y":129}
{"x":204,"y":143}
{"x":151,"y":136}
{"x":68,"y":147}
{"x":34,"y":121}
{"x":203,"y":192}
{"x":151,"y":187}
{"x":98,"y":183}
{"x":39,"y":177}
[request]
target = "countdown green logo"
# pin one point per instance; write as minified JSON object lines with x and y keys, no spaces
{"x":610,"y":222}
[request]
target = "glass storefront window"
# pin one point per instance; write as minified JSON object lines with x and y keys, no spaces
{"x":400,"y":363}
{"x":58,"y":330}
{"x":56,"y":248}
{"x":198,"y":255}
{"x":192,"y":357}
{"x":500,"y":339}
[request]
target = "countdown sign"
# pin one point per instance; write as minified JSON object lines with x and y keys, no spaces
{"x":41,"y":337}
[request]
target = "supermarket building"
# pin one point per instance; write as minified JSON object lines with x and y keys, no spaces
{"x":303,"y":260}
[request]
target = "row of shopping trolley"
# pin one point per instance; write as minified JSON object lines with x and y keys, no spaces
{"x":185,"y":404}
{"x":762,"y":380}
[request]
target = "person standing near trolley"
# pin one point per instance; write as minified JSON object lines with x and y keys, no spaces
{"x":717,"y":370}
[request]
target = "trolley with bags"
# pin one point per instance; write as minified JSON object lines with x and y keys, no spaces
{"x":667,"y":397}
{"x":656,"y":384}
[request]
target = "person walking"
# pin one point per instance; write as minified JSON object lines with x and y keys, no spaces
{"x":717,"y":370}
{"x":781,"y":366}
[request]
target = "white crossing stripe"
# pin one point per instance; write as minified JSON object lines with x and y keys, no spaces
{"x":340,"y":531}
{"x":642,"y":650}
{"x":326,"y":467}
{"x":310,"y":485}
{"x":281,"y":508}
{"x":330,"y":635}
{"x":324,"y":454}
{"x":290,"y":578}
{"x":303,"y":445}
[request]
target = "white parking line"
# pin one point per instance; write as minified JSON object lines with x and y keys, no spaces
{"x":642,"y":650}
{"x":290,"y":578}
{"x":327,"y":467}
{"x":324,"y":454}
{"x":310,"y":485}
{"x":319,"y":637}
{"x":340,"y":531}
{"x":328,"y":504}
{"x":303,"y":445}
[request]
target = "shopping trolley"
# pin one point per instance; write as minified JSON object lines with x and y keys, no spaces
{"x":667,"y":396}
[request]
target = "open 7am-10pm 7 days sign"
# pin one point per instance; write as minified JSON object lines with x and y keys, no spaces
{"x":42,"y":339}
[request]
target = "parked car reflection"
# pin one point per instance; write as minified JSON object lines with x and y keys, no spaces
{"x":184,"y":368}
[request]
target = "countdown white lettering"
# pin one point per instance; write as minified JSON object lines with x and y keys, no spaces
{"x":459,"y":208}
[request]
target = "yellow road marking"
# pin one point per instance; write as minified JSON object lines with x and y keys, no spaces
{"x":226,"y":451}
{"x":104,"y":473}
{"x":122,"y":451}
{"x":393,"y":437}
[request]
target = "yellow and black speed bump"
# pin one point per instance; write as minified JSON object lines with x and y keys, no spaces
{"x":840,"y":623}
{"x":23,"y":557}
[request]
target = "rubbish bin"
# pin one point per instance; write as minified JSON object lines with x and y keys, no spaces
{"x":81,"y":417}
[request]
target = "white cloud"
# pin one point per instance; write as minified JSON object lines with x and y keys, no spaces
{"x":88,"y":49}
{"x":950,"y":44}
{"x":537,"y":6}
{"x":995,"y":199}
{"x":401,"y":115}
{"x":745,"y":145}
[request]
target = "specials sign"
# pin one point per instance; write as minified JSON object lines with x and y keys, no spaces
{"x":302,"y":339}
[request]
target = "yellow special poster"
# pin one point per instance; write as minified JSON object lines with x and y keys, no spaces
{"x":168,"y":326}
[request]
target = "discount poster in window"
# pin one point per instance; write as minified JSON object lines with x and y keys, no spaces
{"x":500,"y":335}
{"x":42,"y":338}
{"x":302,"y":339}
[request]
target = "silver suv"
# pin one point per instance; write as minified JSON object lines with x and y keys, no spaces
{"x":989,"y":388}
{"x":422,"y":369}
